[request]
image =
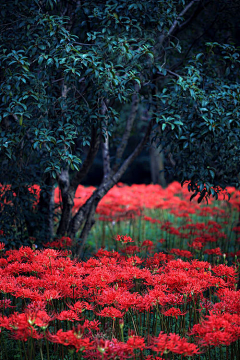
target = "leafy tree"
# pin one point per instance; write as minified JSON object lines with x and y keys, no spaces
{"x":69,"y":68}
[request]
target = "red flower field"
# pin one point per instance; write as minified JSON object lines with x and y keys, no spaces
{"x":165,"y":285}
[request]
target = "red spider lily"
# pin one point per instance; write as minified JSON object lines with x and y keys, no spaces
{"x":157,"y":260}
{"x":174,"y":312}
{"x":218,"y":329}
{"x":2,"y":246}
{"x":230,"y":301}
{"x":51,"y":294}
{"x":124,"y":239}
{"x":196,"y":245}
{"x":106,"y":349}
{"x":172,"y":230}
{"x":136,"y":342}
{"x":93,"y":325}
{"x":198,"y":226}
{"x":215,"y":224}
{"x":151,"y":220}
{"x":134,"y":260}
{"x":73,"y":338}
{"x":236,"y":229}
{"x":41,"y":319}
{"x":185,"y":253}
{"x":103,"y":252}
{"x":174,"y":343}
{"x":129,"y":300}
{"x":147,"y":244}
{"x":19,"y":326}
{"x":3,"y":263}
{"x":216,"y":251}
{"x":80,"y":306}
{"x":228,"y":273}
{"x":131,"y":249}
{"x":4,"y":304}
{"x":61,"y":243}
{"x":166,"y":226}
{"x":69,"y":315}
{"x":110,"y":312}
{"x":119,"y":284}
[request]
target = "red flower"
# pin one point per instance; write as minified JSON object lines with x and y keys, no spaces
{"x":147,"y":243}
{"x":218,"y":329}
{"x":69,"y":315}
{"x":124,"y":239}
{"x":216,"y":251}
{"x":184,"y":253}
{"x":71,"y":338}
{"x":110,"y":312}
{"x":136,"y":342}
{"x":173,"y":343}
{"x":236,"y":229}
{"x":174,"y":312}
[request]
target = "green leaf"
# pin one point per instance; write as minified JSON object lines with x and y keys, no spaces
{"x":21,"y":120}
{"x":212,"y":173}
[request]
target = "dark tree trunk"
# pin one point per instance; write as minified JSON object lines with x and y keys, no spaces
{"x":157,"y":166}
{"x":46,"y":209}
{"x":85,"y":216}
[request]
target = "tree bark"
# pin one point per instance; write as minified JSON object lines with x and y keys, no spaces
{"x":129,"y":125}
{"x":68,"y":189}
{"x":85,"y":215}
{"x":46,"y":208}
{"x":157,"y":165}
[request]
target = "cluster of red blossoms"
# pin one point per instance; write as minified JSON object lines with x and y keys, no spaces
{"x":125,"y":202}
{"x":90,"y":306}
{"x":124,"y":239}
{"x":63,"y":242}
{"x":127,"y":304}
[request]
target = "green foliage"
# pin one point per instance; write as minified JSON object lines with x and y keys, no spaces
{"x":59,"y":60}
{"x":199,"y":117}
{"x":56,"y":69}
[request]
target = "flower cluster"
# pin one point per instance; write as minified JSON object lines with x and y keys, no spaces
{"x":86,"y":306}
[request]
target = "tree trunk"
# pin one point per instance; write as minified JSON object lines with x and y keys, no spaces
{"x":68,"y":189}
{"x":85,"y":216}
{"x":46,"y":209}
{"x":157,"y":165}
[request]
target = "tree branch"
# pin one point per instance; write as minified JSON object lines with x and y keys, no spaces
{"x":86,"y":212}
{"x":193,"y":43}
{"x":116,"y":177}
{"x":193,"y":16}
{"x":169,"y":72}
{"x":92,"y":152}
{"x":182,"y":13}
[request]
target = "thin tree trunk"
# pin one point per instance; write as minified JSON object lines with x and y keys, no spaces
{"x":68,"y":189}
{"x":46,"y":209}
{"x":85,"y":215}
{"x":157,"y":165}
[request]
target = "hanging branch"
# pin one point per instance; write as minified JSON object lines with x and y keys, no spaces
{"x":182,"y":13}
